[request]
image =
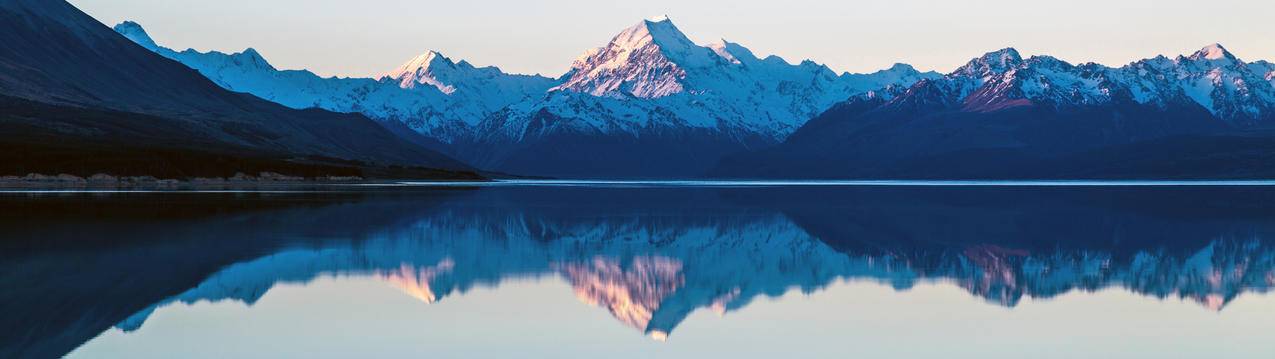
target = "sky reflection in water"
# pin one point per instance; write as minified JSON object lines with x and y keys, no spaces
{"x":587,"y":271}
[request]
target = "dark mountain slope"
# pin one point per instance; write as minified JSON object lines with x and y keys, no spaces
{"x":1022,"y":142}
{"x":69,"y":80}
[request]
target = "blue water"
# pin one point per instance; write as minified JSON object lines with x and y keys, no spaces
{"x":840,"y":183}
{"x":643,"y":269}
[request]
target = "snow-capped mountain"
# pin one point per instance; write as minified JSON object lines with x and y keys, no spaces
{"x":652,"y":103}
{"x":431,"y":94}
{"x":666,"y":106}
{"x":473,"y":91}
{"x":1002,"y":115}
{"x":1214,"y":78}
{"x":651,"y":86}
{"x":648,"y":60}
{"x":1235,"y":91}
{"x":654,"y":60}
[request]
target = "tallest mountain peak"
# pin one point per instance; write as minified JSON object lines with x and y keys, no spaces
{"x":423,"y":62}
{"x":646,"y":60}
{"x":660,"y":31}
{"x":424,"y":69}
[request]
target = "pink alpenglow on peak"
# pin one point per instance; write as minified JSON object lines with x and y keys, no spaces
{"x":419,"y":71}
{"x":1214,"y":52}
{"x":645,"y":61}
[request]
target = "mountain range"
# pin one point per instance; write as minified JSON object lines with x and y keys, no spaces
{"x":650,"y":103}
{"x":1205,"y":115}
{"x":77,"y":98}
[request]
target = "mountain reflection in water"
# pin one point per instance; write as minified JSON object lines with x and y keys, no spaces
{"x":649,"y":256}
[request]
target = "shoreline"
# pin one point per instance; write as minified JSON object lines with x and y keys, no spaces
{"x":105,"y":181}
{"x":272,"y":181}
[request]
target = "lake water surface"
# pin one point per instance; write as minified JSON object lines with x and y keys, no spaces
{"x":643,"y":269}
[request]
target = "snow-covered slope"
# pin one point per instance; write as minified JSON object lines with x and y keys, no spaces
{"x":474,"y":91}
{"x":651,"y":87}
{"x":667,"y":102}
{"x":455,"y":97}
{"x":1005,"y":116}
{"x":1263,"y":68}
{"x":654,"y":68}
{"x":1237,"y":92}
{"x":652,"y":103}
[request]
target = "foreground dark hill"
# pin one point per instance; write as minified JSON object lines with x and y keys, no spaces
{"x":1207,"y":115}
{"x":78,"y":98}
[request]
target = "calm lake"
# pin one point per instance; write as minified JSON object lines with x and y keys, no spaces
{"x":643,"y":270}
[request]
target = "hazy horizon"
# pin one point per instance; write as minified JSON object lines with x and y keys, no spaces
{"x":338,"y":38}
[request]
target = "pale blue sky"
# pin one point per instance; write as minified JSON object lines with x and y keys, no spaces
{"x":356,"y":316}
{"x":367,"y":37}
